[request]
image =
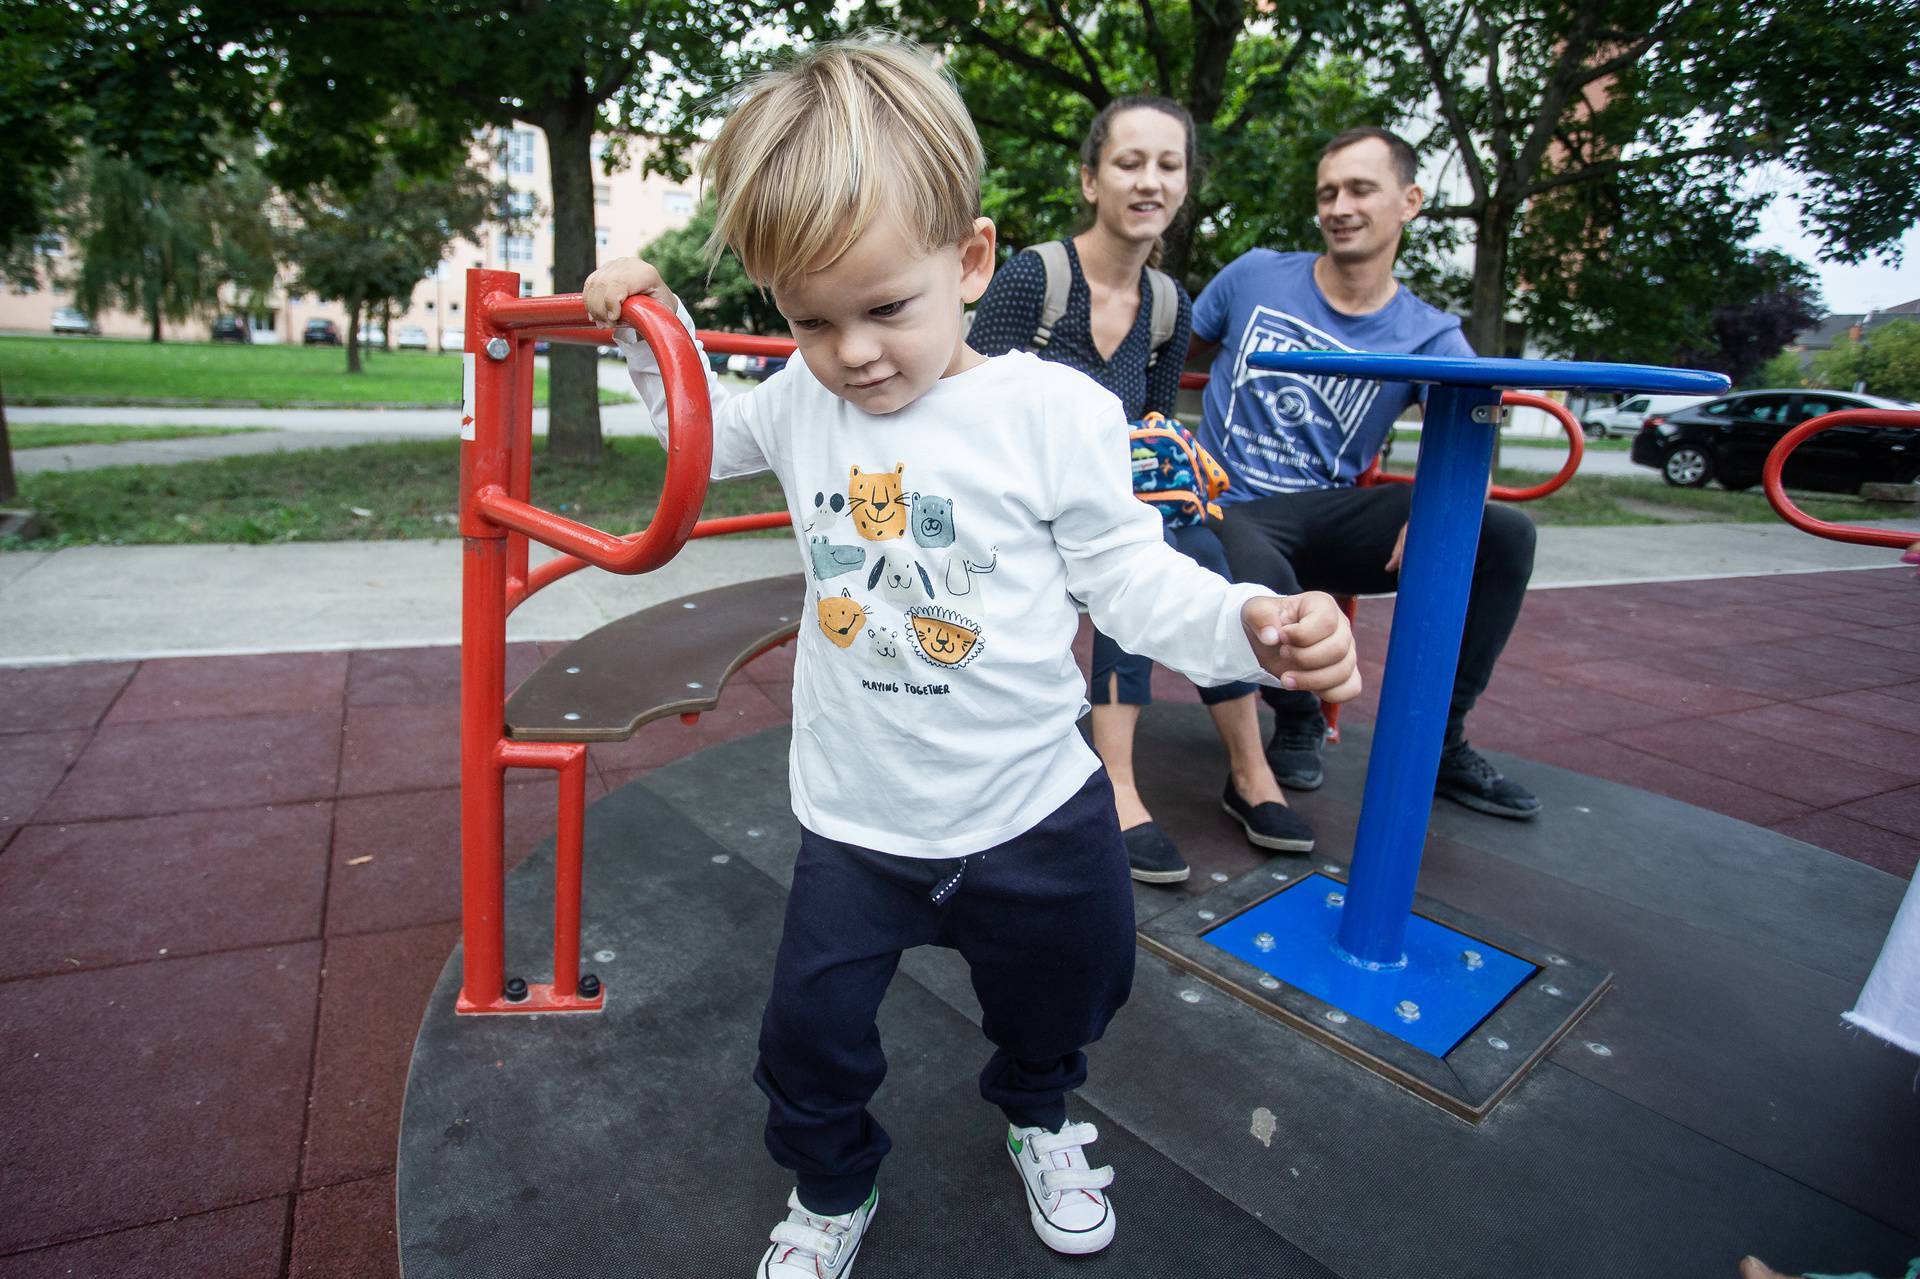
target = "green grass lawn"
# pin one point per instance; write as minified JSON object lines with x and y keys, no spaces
{"x":407,"y":490}
{"x":1612,"y":444}
{"x":48,"y":435}
{"x":36,"y":370}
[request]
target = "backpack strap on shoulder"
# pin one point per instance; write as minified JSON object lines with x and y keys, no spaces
{"x":1166,"y":311}
{"x":1053,"y":256}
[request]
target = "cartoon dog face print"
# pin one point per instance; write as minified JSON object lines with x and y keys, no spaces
{"x":874,"y":498}
{"x":830,"y":560}
{"x":899,"y":579}
{"x":884,"y":647}
{"x":943,"y":637}
{"x":827,"y":509}
{"x":841,"y":617}
{"x":932,"y":520}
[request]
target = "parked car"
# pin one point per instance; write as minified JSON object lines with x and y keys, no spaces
{"x":372,"y":335}
{"x":1728,"y":439}
{"x":757,"y":367}
{"x":410,"y":337}
{"x":71,"y":319}
{"x":453,"y":339}
{"x":230,"y":328}
{"x":320,"y":333}
{"x":1625,"y":418}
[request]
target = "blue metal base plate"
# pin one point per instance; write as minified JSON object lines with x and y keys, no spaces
{"x":1449,"y":984}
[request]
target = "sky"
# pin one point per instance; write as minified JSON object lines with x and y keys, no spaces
{"x":1862,"y":286}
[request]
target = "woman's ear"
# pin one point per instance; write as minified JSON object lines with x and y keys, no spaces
{"x":976,"y":260}
{"x":1088,"y":191}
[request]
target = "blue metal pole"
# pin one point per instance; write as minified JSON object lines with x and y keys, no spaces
{"x":1436,"y":573}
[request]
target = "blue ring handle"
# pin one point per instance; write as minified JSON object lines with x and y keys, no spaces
{"x":1456,"y":370}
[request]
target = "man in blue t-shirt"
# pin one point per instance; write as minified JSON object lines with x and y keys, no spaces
{"x":1294,"y":446}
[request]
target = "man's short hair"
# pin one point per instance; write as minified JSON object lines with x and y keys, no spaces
{"x":818,"y":151}
{"x":1406,"y":165}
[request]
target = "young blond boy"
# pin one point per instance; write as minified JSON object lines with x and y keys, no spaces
{"x":949,"y":510}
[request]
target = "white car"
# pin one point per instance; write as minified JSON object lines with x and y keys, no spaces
{"x":453,"y":339}
{"x":1625,"y":418}
{"x":71,"y":319}
{"x":372,"y":335}
{"x":410,"y":337}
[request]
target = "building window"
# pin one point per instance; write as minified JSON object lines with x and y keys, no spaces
{"x":526,"y":288}
{"x":602,"y":238}
{"x":678,"y":202}
{"x":520,"y":151}
{"x":518,"y":204}
{"x":518,"y":248}
{"x":602,"y":193}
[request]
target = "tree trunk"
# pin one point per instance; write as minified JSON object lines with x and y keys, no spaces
{"x":1487,"y":320}
{"x":353,"y":335}
{"x":573,"y":373}
{"x":153,"y":324}
{"x":7,"y":486}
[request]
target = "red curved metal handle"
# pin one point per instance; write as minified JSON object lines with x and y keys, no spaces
{"x":1770,"y":477}
{"x":1576,"y":450}
{"x":689,"y":448}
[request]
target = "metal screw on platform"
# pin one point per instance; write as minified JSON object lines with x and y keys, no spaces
{"x":516,"y":989}
{"x":571,"y":716}
{"x":1219,"y":877}
{"x":1599,"y":1050}
{"x":573,"y":670}
{"x":496,"y":348}
{"x":1336,"y":899}
{"x":1558,"y":961}
{"x":1269,"y":983}
{"x":589,"y":986}
{"x":1263,"y":941}
{"x":1337,"y":1017}
{"x":1407,"y":1010}
{"x":1281,"y":876}
{"x":1190,"y":996}
{"x":603,"y":957}
{"x":1206,"y":914}
{"x":1551,"y":990}
{"x":1473,"y":959}
{"x":1499,"y":1044}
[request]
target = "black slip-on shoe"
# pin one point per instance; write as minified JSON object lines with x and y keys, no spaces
{"x":1293,"y":753}
{"x":1151,"y":856}
{"x":1269,"y":825}
{"x":1468,"y":777}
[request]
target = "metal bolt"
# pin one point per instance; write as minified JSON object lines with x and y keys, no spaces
{"x":1269,"y":983}
{"x":1206,"y":914}
{"x":1281,"y":877}
{"x":754,"y":833}
{"x":1473,"y":959}
{"x":1190,"y":996}
{"x":516,"y":989}
{"x":1336,"y":899}
{"x":693,"y":683}
{"x":571,"y":716}
{"x":1581,"y":808}
{"x":1599,"y":1050}
{"x":1337,"y":1017}
{"x":589,"y":986}
{"x":1331,"y":869}
{"x":573,"y":670}
{"x":689,"y":604}
{"x":1219,"y":877}
{"x":1497,"y":1043}
{"x":1406,"y":1010}
{"x":1558,"y":961}
{"x":1263,"y":942}
{"x":496,"y":348}
{"x":1552,"y":990}
{"x":603,"y":957}
{"x":720,"y":859}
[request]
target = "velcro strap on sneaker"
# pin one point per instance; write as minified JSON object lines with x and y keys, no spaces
{"x":1055,"y":1180}
{"x":1049,"y":1143}
{"x":791,"y":1234}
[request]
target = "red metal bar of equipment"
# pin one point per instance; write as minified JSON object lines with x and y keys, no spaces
{"x":1771,"y":477}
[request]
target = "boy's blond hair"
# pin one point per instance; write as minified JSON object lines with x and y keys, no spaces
{"x":819,"y":151}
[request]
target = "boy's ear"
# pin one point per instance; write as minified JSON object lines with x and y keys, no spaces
{"x":976,"y":260}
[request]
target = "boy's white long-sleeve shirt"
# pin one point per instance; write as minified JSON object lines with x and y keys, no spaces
{"x":935,"y":691}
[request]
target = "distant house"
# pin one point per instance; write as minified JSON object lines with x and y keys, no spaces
{"x":1829,"y":331}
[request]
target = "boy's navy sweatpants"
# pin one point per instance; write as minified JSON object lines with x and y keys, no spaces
{"x":1045,"y":922}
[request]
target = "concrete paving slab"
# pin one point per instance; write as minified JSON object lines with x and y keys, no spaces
{"x":92,"y":457}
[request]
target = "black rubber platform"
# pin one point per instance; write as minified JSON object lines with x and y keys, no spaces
{"x":1712,"y":1103}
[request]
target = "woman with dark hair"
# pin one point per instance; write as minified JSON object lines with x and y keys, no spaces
{"x":1097,"y":303}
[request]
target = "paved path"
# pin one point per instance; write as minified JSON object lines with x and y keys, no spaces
{"x":89,"y":603}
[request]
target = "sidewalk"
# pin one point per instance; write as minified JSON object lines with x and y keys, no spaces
{"x":122,"y":603}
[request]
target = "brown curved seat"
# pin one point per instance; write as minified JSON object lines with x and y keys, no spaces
{"x":670,"y":659}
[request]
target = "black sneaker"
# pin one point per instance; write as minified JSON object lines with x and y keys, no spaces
{"x":1151,"y":856}
{"x":1468,"y":777}
{"x":1269,"y":825}
{"x":1293,"y":752}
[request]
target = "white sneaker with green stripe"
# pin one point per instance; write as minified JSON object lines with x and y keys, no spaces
{"x":809,"y":1246}
{"x":1065,"y":1196}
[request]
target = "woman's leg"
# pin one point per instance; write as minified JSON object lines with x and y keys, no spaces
{"x":1120,"y":687}
{"x":1235,"y":710}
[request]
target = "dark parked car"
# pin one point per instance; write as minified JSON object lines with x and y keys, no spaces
{"x":230,"y":328}
{"x":320,"y":333}
{"x":1728,"y":439}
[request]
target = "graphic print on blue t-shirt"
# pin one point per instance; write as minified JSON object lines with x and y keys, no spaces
{"x":1317,"y":417}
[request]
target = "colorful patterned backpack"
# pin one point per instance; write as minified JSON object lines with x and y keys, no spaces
{"x":1173,"y":474}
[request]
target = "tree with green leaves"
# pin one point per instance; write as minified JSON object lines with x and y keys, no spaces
{"x":1883,"y":361}
{"x":368,"y":248}
{"x":166,"y":247}
{"x":727,"y":299}
{"x":1539,"y":97}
